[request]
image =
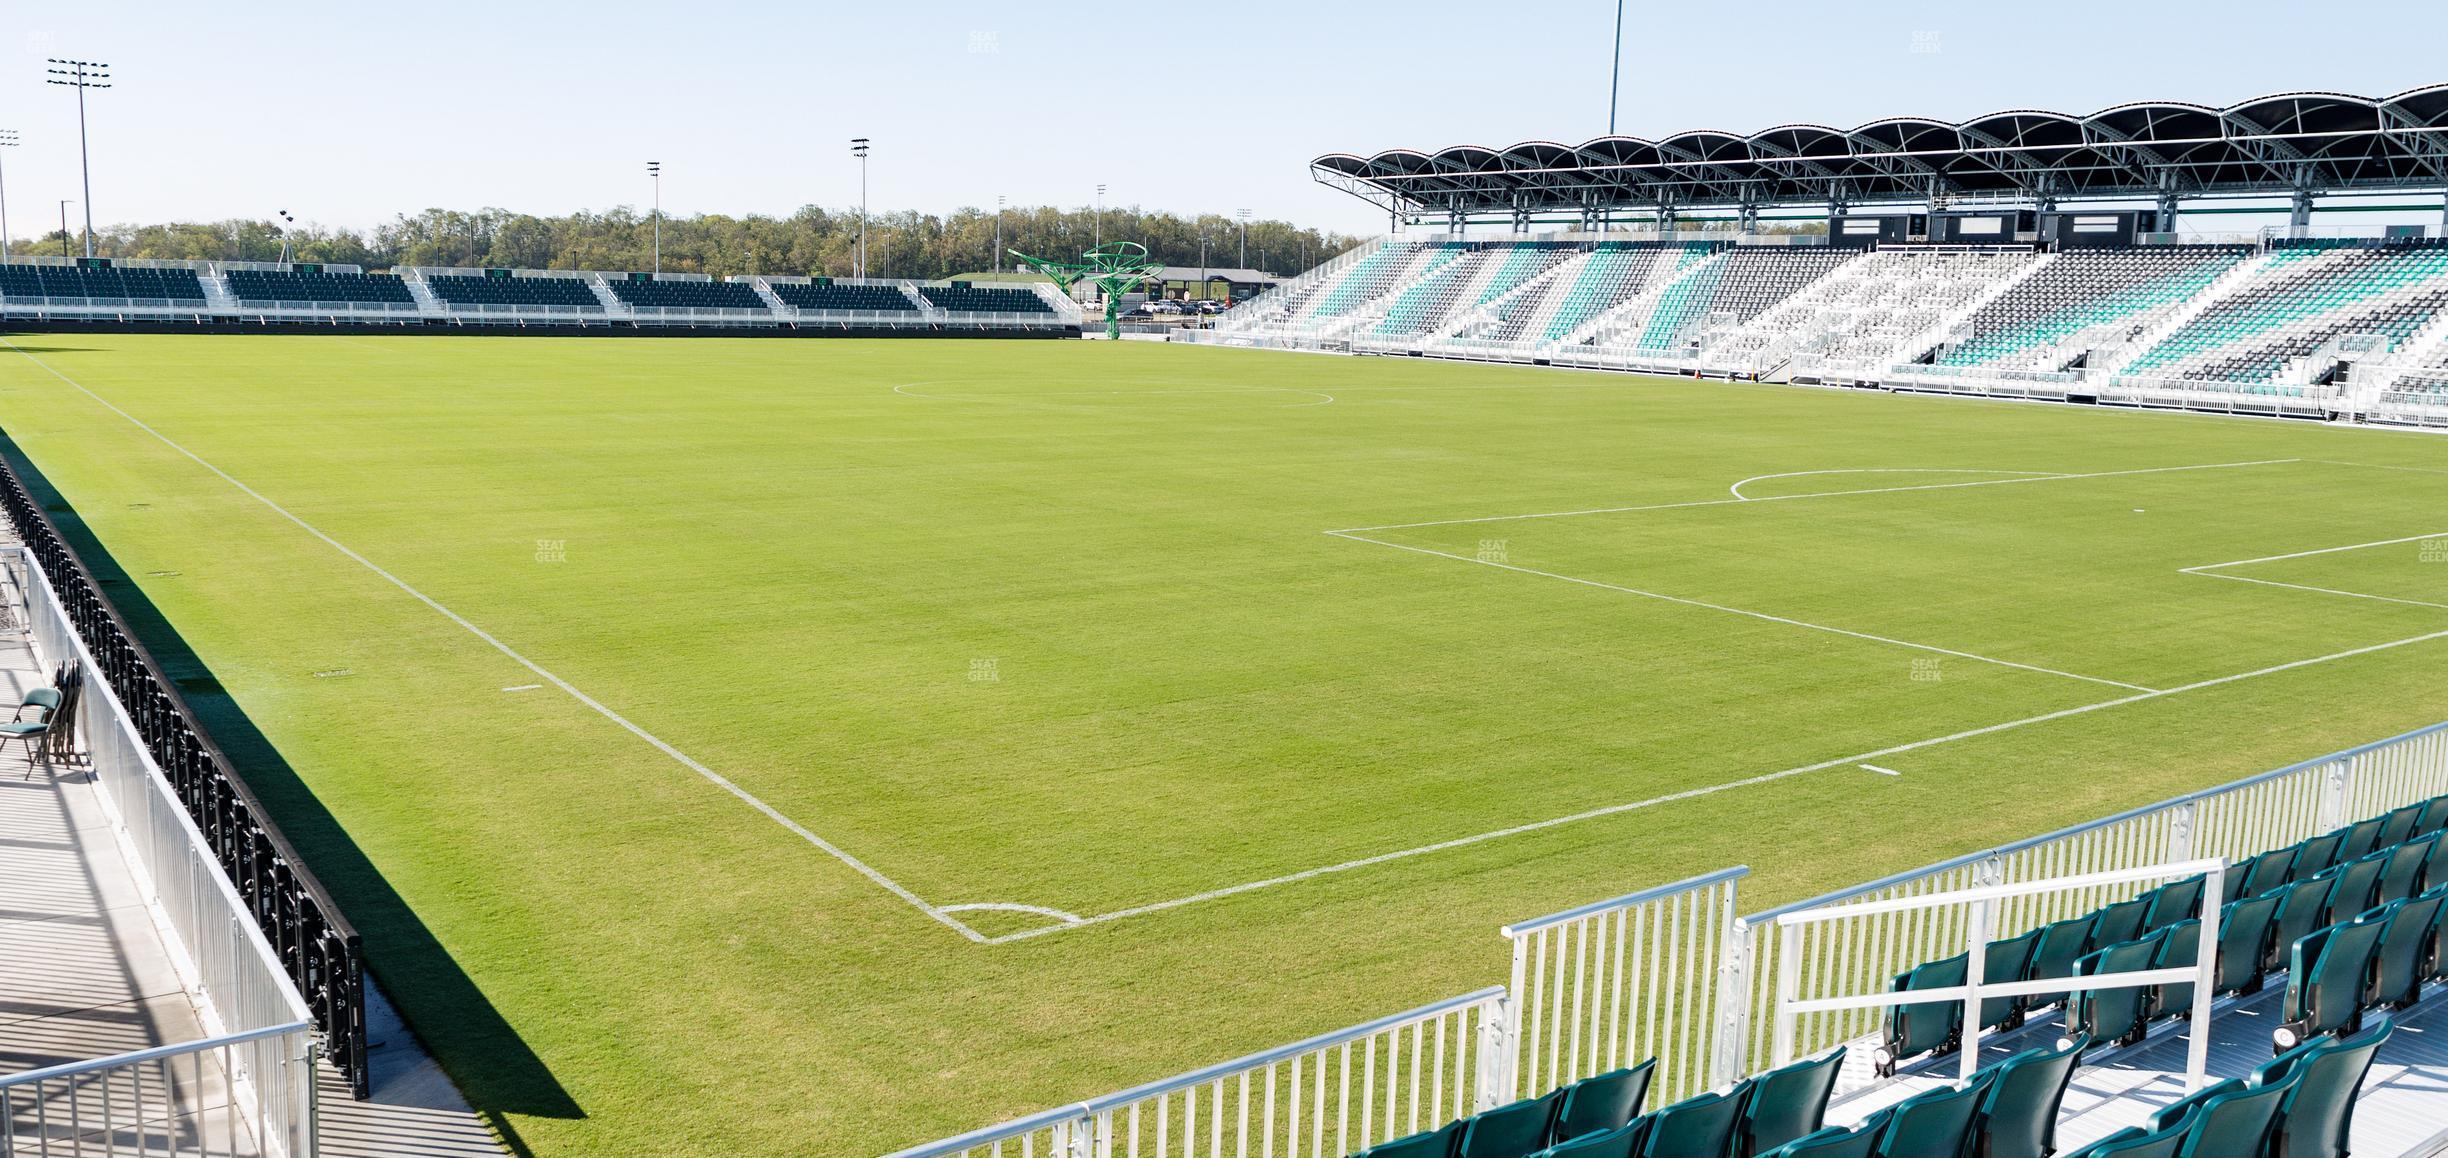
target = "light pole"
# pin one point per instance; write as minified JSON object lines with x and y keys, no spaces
{"x":858,"y":148}
{"x":654,"y":169}
{"x":1615,"y":69}
{"x":65,"y":202}
{"x":8,"y":140}
{"x":1097,"y":234}
{"x":998,"y":254}
{"x":287,"y":223}
{"x":1244,"y":215}
{"x":82,"y":75}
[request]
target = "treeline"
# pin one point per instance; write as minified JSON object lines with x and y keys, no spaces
{"x":813,"y":240}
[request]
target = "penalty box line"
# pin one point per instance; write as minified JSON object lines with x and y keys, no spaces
{"x":1695,"y":793}
{"x":682,"y":758}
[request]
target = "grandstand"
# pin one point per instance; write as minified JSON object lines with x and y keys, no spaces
{"x":2023,"y":254}
{"x":39,"y":293}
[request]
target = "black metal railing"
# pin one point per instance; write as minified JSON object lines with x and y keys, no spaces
{"x":317,"y":946}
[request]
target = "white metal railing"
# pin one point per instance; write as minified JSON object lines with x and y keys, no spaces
{"x":1825,"y":941}
{"x":2271,"y":810}
{"x":1321,"y":1098}
{"x":1609,"y":984}
{"x":261,"y":1041}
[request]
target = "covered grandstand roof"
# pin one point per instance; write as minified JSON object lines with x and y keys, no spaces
{"x":2316,"y":142}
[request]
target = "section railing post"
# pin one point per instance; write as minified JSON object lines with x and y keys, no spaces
{"x":2180,"y":830}
{"x":1976,"y":964}
{"x":1789,"y":981}
{"x":1499,"y":1048}
{"x":2205,"y":975}
{"x":1733,"y":1030}
{"x":2334,"y":787}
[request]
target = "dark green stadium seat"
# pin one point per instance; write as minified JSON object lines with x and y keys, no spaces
{"x":2327,"y":973}
{"x":2315,"y":855}
{"x":2136,"y":1142}
{"x":2188,"y":1108}
{"x":2121,"y":921}
{"x":2054,"y":955}
{"x":2435,"y":868}
{"x":1926,"y":1027}
{"x":1935,"y":1123}
{"x":2117,"y":1015}
{"x":2244,"y":943}
{"x":2174,"y":901}
{"x":2300,"y":908}
{"x":2403,"y":959}
{"x":1833,"y":1142}
{"x":2351,"y":893}
{"x":1788,"y":1102}
{"x":2434,"y":817}
{"x":2398,"y":826}
{"x":2179,"y":949}
{"x":1603,"y":1102}
{"x":2237,"y":1123}
{"x":1622,"y":1142}
{"x":1437,"y":1143}
{"x":2265,"y":872}
{"x":2361,"y":838}
{"x":2402,"y":878}
{"x":2019,"y":1117}
{"x":1696,"y":1127}
{"x":2001,"y":962}
{"x":2317,"y":1116}
{"x":1510,"y":1130}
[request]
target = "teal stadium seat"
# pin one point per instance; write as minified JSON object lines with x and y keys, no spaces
{"x":2317,"y":1115}
{"x":2019,"y":1116}
{"x":1788,"y":1102}
{"x":1937,"y":1123}
{"x":2327,"y":974}
{"x":1603,"y":1102}
{"x":1512,"y":1130}
{"x":1696,"y":1127}
{"x":2402,"y":961}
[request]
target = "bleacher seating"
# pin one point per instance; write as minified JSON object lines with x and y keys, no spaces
{"x":687,"y":294}
{"x":958,"y":298}
{"x":289,"y":287}
{"x":464,"y":290}
{"x":2306,"y":295}
{"x":1420,"y":306}
{"x":108,"y":285}
{"x":836,"y":296}
{"x":1860,"y":318}
{"x":2081,"y":290}
{"x":1739,"y":286}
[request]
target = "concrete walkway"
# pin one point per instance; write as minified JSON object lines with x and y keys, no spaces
{"x":85,"y":974}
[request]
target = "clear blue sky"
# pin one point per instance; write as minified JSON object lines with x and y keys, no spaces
{"x":349,"y":113}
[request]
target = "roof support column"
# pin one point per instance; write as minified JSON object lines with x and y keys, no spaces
{"x":2167,"y":212}
{"x":1455,"y":221}
{"x":1748,"y":222}
{"x":2299,"y":222}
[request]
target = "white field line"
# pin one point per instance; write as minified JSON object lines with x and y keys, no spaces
{"x":683,"y":758}
{"x":2211,"y":570}
{"x":1988,"y":482}
{"x":1760,"y":615}
{"x":903,"y":391}
{"x":1693,"y":793}
{"x":1882,"y":771}
{"x":1736,"y":489}
{"x":2377,"y":466}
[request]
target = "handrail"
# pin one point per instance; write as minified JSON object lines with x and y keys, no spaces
{"x":151,"y":1053}
{"x":1551,"y":920}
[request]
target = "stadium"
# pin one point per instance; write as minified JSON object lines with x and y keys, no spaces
{"x":1922,"y":640}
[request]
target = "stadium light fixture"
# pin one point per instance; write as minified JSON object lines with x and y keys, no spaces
{"x":858,"y":148}
{"x":654,"y":169}
{"x":1097,"y":234}
{"x":1244,"y":215}
{"x":287,"y":223}
{"x":81,"y":75}
{"x":8,"y":140}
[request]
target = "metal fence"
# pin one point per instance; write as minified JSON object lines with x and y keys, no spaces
{"x":315,"y":946}
{"x":1321,"y":1098}
{"x":262,"y":1049}
{"x":1609,"y":984}
{"x":2271,"y":810}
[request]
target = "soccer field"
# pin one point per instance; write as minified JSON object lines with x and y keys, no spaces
{"x":738,"y":746}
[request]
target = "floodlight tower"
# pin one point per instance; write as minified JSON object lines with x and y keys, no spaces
{"x":654,"y":169}
{"x":1097,"y":234}
{"x":65,"y":202}
{"x":1615,"y":69}
{"x":82,"y":75}
{"x":8,"y":140}
{"x":998,"y":233}
{"x":858,"y":148}
{"x":287,"y":223}
{"x":1244,"y":215}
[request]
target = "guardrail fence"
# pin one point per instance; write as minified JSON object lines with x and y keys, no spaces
{"x":287,"y":907}
{"x":1607,"y":985}
{"x":262,"y":1046}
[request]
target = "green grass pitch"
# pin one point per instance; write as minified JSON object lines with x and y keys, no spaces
{"x":1061,"y":629}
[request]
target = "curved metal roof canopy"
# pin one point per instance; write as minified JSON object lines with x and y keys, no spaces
{"x":2285,"y":144}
